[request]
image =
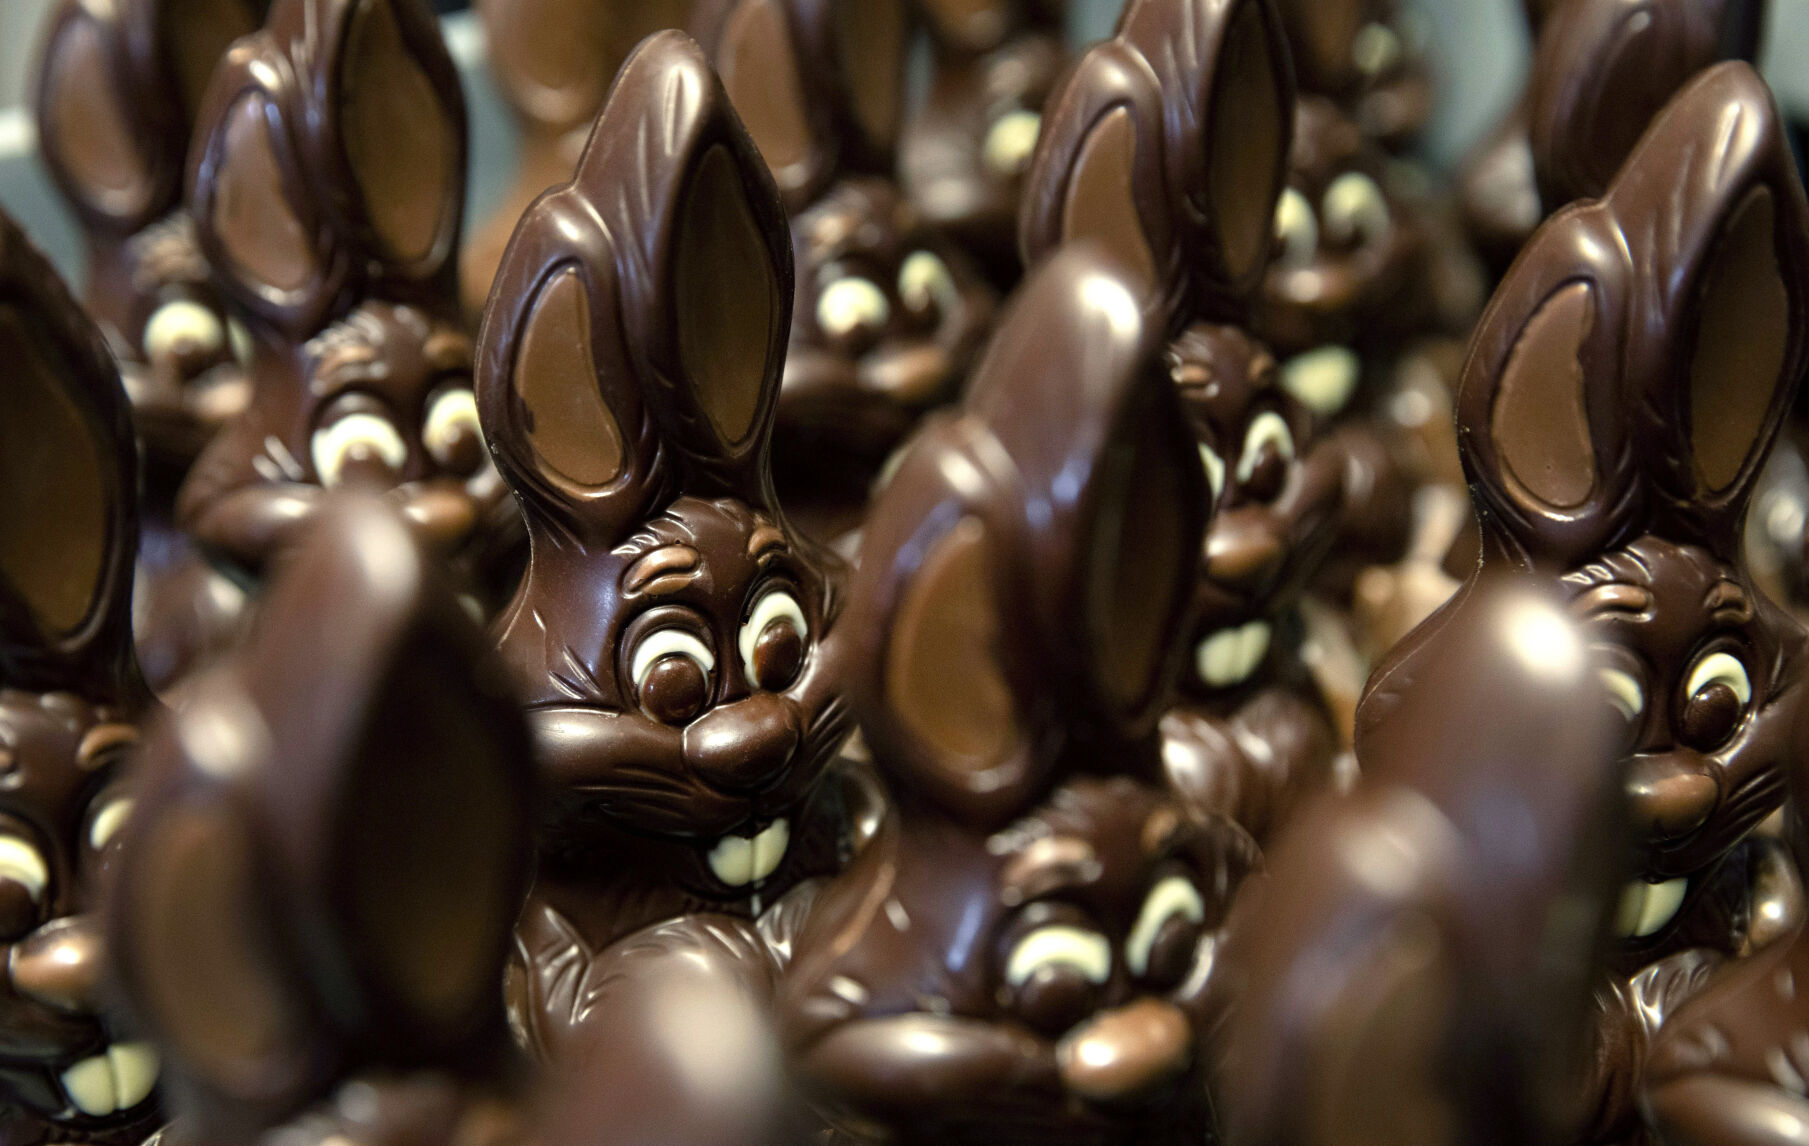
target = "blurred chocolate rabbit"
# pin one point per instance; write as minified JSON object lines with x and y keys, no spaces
{"x":70,"y":701}
{"x":1369,"y":57}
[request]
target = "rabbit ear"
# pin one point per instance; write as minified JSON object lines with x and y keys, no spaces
{"x":556,"y":58}
{"x":1323,"y":32}
{"x":69,"y":466}
{"x":868,"y":45}
{"x":91,"y":124}
{"x":1603,"y":69}
{"x":759,"y":50}
{"x":334,"y":838}
{"x":1715,"y":220}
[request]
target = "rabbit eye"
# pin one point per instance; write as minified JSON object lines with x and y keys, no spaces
{"x":240,"y":339}
{"x":362,"y":438}
{"x":1376,"y":49}
{"x":106,"y":822}
{"x":1355,"y":211}
{"x":1297,"y":229}
{"x":852,"y":305}
{"x":1010,"y":141}
{"x":671,"y":672}
{"x":1054,"y":975}
{"x":1268,"y":452}
{"x":772,"y":642}
{"x":1161,"y":944}
{"x":23,"y":877}
{"x":452,"y":435}
{"x":1215,"y":469}
{"x":183,"y":329}
{"x":924,"y":282}
{"x":1716,"y":698}
{"x":1624,"y":692}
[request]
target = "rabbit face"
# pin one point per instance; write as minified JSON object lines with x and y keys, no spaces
{"x":1276,"y":491}
{"x":64,"y":803}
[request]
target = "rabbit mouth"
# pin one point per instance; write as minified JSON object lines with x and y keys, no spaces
{"x":1226,"y":658}
{"x":748,"y":861}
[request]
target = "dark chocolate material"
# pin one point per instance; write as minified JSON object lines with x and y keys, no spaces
{"x":1368,"y":56}
{"x":335,"y":232}
{"x":676,"y":643}
{"x":1615,"y":413}
{"x":70,"y":699}
{"x":1022,"y":949}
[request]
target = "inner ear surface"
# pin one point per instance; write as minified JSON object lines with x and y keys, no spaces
{"x":88,"y":128}
{"x":1139,"y":561}
{"x":567,"y":423}
{"x":424,"y":841}
{"x":198,"y":32}
{"x":554,"y":46}
{"x":206,"y":980}
{"x":53,"y":515}
{"x":760,"y":71}
{"x":725,"y":296}
{"x":1539,"y":424}
{"x":398,"y":137}
{"x":252,"y":217}
{"x":1245,"y":141}
{"x":1099,"y":203}
{"x":1742,"y":336}
{"x":943,"y":676}
{"x":870,"y":41}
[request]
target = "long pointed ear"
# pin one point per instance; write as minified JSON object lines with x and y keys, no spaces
{"x":1715,"y":220}
{"x":1604,"y":68}
{"x":331,"y":841}
{"x":555,"y":59}
{"x":69,"y":469}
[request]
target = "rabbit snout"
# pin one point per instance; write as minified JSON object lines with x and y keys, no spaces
{"x":1127,"y":1054}
{"x":1245,"y":550}
{"x":745,"y":746}
{"x":1670,"y":795}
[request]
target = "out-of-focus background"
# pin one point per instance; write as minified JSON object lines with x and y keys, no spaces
{"x":1481,"y":46}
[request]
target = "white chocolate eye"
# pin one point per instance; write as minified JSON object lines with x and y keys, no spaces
{"x":1058,"y":945}
{"x":240,"y":339}
{"x":23,"y":864}
{"x":1720,"y":668}
{"x":1624,"y":692}
{"x":1172,"y":897}
{"x":452,"y":415}
{"x":774,"y":608}
{"x":1215,"y":469}
{"x":361,"y":433}
{"x":1010,"y":141}
{"x":1266,"y":429}
{"x":1324,"y":378}
{"x":1354,"y":209}
{"x":852,"y":304}
{"x":1297,"y":228}
{"x":107,"y":822}
{"x":923,"y":280}
{"x":663,"y":643}
{"x":181,"y":321}
{"x":1376,"y":49}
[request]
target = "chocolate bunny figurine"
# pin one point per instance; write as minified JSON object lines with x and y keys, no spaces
{"x":888,"y":314}
{"x":1168,"y":143}
{"x":963,"y":154}
{"x":1416,"y":964}
{"x":675,"y":641}
{"x":70,"y":699}
{"x":1023,"y":948}
{"x":1367,"y":56}
{"x":326,"y":188}
{"x":552,"y":61}
{"x":1621,"y":396}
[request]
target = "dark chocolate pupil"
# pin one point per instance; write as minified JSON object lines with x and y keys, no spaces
{"x":17,"y":911}
{"x":1709,"y":716}
{"x":1171,"y":955}
{"x":778,"y":654}
{"x":1056,"y":997}
{"x":674,"y":690}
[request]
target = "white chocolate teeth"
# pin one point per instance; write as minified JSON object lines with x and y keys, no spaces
{"x":1647,"y":907}
{"x":739,"y":860}
{"x":118,"y":1080}
{"x":1229,"y":656}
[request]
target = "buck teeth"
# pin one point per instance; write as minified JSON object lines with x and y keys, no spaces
{"x":117,"y":1080}
{"x":1229,"y":656}
{"x":1647,"y":907}
{"x":739,"y":860}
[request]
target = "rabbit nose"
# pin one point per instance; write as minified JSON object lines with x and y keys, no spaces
{"x":1243,"y":554}
{"x":1126,"y":1053}
{"x":441,"y":512}
{"x":59,"y":964}
{"x":1669,"y":796}
{"x":746,"y":746}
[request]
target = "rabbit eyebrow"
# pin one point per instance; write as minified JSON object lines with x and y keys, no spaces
{"x":665,"y":570}
{"x":447,"y":350}
{"x":1614,"y":598}
{"x":1048,"y":865}
{"x":1728,"y":604}
{"x":99,"y":740}
{"x":765,"y":542}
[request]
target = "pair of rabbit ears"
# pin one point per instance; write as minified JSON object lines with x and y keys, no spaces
{"x":555,"y":58}
{"x":1024,"y":572}
{"x":1168,"y":144}
{"x":636,"y":334}
{"x":820,"y":84}
{"x":118,"y":90}
{"x":1604,"y":68}
{"x":330,"y":159}
{"x":1636,"y":363}
{"x":69,"y":466}
{"x":330,"y":840}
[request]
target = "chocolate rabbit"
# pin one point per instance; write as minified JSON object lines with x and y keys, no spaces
{"x":70,"y":700}
{"x":1168,"y":142}
{"x":326,"y":187}
{"x":888,"y":314}
{"x":675,"y":642}
{"x":553,"y":61}
{"x":1022,"y":949}
{"x":1367,"y":55}
{"x":1620,"y":398}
